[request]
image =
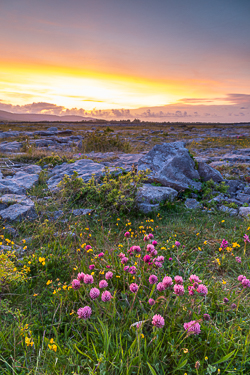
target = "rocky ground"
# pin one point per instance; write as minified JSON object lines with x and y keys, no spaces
{"x":180,"y":158}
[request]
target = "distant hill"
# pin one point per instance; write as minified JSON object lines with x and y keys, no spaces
{"x":36,"y":117}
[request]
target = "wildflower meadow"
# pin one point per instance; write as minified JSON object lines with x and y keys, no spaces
{"x":164,"y":294}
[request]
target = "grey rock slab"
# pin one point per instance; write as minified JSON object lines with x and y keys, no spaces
{"x":247,"y":190}
{"x":81,"y":211}
{"x":244,"y":198}
{"x":55,"y":215}
{"x":2,"y":206}
{"x":244,"y":211}
{"x":10,"y":147}
{"x":18,"y":212}
{"x":10,"y":187}
{"x":84,"y":167}
{"x":154,"y":194}
{"x":217,"y":199}
{"x":53,"y":129}
{"x":192,"y":204}
{"x":171,"y":165}
{"x":146,"y":208}
{"x":230,"y":211}
{"x":14,"y":198}
{"x":32,"y":169}
{"x":234,"y":185}
{"x":207,"y":173}
{"x":25,"y":180}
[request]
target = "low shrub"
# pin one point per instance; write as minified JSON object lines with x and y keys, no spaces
{"x":115,"y":192}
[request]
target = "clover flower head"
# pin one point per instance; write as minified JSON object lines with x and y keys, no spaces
{"x":91,"y":266}
{"x":157,"y":264}
{"x":154,"y":243}
{"x":151,"y":236}
{"x":88,"y":279}
{"x":103,"y":284}
{"x":178,"y":280}
{"x":160,"y":259}
{"x":84,"y":312}
{"x":246,"y":283}
{"x":126,"y":268}
{"x":132,"y":270}
{"x":194,"y":279}
{"x":127,"y":234}
{"x":121,"y":255}
{"x":206,"y":317}
{"x":160,"y":287}
{"x":124,"y":260}
{"x":137,"y":249}
{"x":101,"y":255}
{"x":150,"y":248}
{"x":133,"y":287}
{"x":202,"y":289}
{"x":88,"y":247}
{"x":238,"y":259}
{"x":80,"y":276}
{"x":191,"y":290}
{"x":177,"y":244}
{"x":225,"y":300}
{"x":151,"y":301}
{"x":94,"y":293}
{"x":179,"y":290}
{"x":241,"y":277}
{"x":192,"y":327}
{"x":146,"y":238}
{"x":76,"y":284}
{"x":106,"y":296}
{"x":108,"y":275}
{"x":153,"y":279}
{"x":158,"y":321}
{"x":167,"y":281}
{"x":146,"y":258}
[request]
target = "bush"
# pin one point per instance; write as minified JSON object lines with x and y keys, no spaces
{"x":53,"y":160}
{"x":8,"y":271}
{"x":104,"y":142}
{"x":116,"y":192}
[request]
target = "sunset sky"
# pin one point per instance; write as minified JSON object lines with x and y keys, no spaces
{"x":161,"y":59}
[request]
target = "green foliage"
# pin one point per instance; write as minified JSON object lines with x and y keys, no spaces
{"x":116,"y":192}
{"x":52,"y":160}
{"x":210,"y":186}
{"x":104,"y":142}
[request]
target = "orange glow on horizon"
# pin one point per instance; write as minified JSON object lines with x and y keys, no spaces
{"x":92,"y":89}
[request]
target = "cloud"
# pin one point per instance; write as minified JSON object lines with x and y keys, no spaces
{"x":180,"y":111}
{"x":237,"y":99}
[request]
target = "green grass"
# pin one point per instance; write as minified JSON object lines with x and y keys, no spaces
{"x":107,"y":343}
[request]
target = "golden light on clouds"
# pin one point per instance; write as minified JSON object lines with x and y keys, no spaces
{"x":75,"y":88}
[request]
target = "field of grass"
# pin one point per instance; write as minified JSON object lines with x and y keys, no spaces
{"x":41,"y":332}
{"x":136,"y":322}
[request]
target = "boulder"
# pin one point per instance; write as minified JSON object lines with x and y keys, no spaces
{"x":14,"y":198}
{"x":25,"y":180}
{"x":155,"y":194}
{"x":234,"y":185}
{"x":171,"y":165}
{"x":18,"y":212}
{"x":32,"y":169}
{"x":208,"y":173}
{"x":244,"y":211}
{"x":246,"y":189}
{"x":244,"y":198}
{"x":192,"y":204}
{"x":10,"y":147}
{"x":52,"y":129}
{"x":84,"y":167}
{"x":10,"y":187}
{"x":146,"y":208}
